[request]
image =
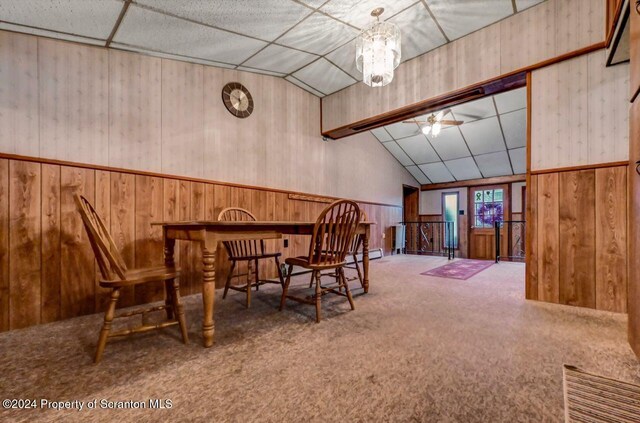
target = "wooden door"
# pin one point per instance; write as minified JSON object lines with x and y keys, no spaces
{"x":487,"y":204}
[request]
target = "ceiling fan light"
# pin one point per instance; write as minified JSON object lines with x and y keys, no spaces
{"x":378,"y":52}
{"x":435,"y":131}
{"x":426,"y":129}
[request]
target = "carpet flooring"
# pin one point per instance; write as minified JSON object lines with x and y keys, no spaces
{"x":417,"y":348}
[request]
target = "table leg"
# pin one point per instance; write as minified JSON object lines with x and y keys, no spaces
{"x":365,"y":259}
{"x":169,"y":247}
{"x":208,"y":293}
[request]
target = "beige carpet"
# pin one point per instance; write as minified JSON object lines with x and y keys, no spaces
{"x":417,"y":348}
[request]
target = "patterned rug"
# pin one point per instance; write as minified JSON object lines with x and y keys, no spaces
{"x":461,"y":269}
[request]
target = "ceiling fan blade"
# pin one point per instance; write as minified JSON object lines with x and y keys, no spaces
{"x":440,"y":115}
{"x":415,"y":121}
{"x":452,"y":122}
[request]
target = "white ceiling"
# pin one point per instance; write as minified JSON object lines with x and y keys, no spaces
{"x":308,"y":42}
{"x":491,"y":141}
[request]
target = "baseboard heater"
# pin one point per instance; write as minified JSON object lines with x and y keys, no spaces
{"x":374,"y":254}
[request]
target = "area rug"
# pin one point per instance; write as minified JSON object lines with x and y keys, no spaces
{"x":461,"y":269}
{"x":593,"y":399}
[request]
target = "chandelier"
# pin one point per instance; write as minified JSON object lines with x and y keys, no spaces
{"x":378,"y":51}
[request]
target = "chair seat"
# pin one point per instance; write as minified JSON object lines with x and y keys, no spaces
{"x":255,"y":257}
{"x":303,"y":261}
{"x":138,"y":276}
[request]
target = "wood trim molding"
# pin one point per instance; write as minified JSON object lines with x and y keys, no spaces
{"x":581,"y":167}
{"x":510,"y":80}
{"x":475,"y":182}
{"x":307,"y":196}
{"x":313,"y":198}
{"x":612,"y":20}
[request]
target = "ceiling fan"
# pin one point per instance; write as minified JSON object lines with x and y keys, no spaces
{"x":433,"y":124}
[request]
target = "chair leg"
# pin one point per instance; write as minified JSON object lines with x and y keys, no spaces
{"x":355,"y":261}
{"x":346,"y":288}
{"x":257,"y":275}
{"x":337,"y":276}
{"x":168,"y":299}
{"x":248,"y":287}
{"x":313,"y":277}
{"x":279,"y":272}
{"x":229,"y":277}
{"x":179,"y":311}
{"x":283,"y":299}
{"x":316,"y":273}
{"x":106,"y":326}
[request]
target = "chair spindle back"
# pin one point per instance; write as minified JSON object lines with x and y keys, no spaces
{"x":109,"y":259}
{"x":334,"y":232}
{"x":357,"y":240}
{"x":241,"y":248}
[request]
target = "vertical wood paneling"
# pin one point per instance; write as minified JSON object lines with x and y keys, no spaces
{"x":102,"y":204}
{"x":74,"y":97}
{"x":579,"y":24}
{"x":77,"y":268}
{"x":182,"y":118}
{"x":548,"y":239}
{"x":531,"y":248}
{"x":184,"y":248}
{"x":24,"y":244}
{"x":50,"y":231}
{"x":478,"y":56}
{"x":634,"y":217}
{"x":611,"y":239}
{"x":19,"y":94}
{"x":148,"y":239}
{"x":135,"y":111}
{"x":123,"y":225}
{"x":222,"y":199}
{"x":198,"y":210}
{"x":4,"y":245}
{"x":577,"y":238}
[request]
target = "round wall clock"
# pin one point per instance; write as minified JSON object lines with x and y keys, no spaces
{"x":237,"y":99}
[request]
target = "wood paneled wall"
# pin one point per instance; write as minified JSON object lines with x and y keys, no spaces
{"x":545,"y":31}
{"x":578,"y":244}
{"x":91,"y":105}
{"x":579,"y":113}
{"x":47,"y":267}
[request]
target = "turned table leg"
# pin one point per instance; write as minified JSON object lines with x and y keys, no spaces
{"x":365,"y":259}
{"x":208,"y":293}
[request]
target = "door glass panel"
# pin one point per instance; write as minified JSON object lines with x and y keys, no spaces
{"x":450,"y":208}
{"x":488,"y":207}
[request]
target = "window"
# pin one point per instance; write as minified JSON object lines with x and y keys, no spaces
{"x":450,"y":214}
{"x":488,"y":207}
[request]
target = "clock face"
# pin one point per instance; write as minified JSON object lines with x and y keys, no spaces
{"x":237,"y":99}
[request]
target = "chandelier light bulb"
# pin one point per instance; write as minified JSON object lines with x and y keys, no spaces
{"x":378,"y":51}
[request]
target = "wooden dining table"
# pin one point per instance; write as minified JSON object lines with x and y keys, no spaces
{"x":210,"y":233}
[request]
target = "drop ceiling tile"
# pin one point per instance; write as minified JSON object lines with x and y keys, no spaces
{"x":437,"y":172}
{"x":514,"y":126}
{"x":314,"y":3}
{"x":397,"y":152}
{"x":418,"y":174}
{"x":324,"y":77}
{"x":171,"y":56}
{"x":419,"y":149}
{"x":155,"y":31}
{"x":261,"y":71}
{"x":419,"y":31}
{"x":345,"y":58}
{"x":358,"y":12}
{"x":51,"y":34}
{"x":280,"y":59}
{"x":403,"y":130}
{"x":525,"y":4}
{"x":511,"y":100}
{"x":463,"y":169}
{"x":317,"y":34}
{"x":381,"y":134}
{"x":304,"y":86}
{"x":494,"y":164}
{"x":483,"y":136}
{"x":474,"y":110}
{"x":461,"y":17}
{"x":450,"y":144}
{"x":519,"y":160}
{"x":89,"y":18}
{"x":264,"y":19}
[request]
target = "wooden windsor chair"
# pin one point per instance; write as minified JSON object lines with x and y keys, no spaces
{"x":333,"y":235}
{"x":250,"y":251}
{"x":116,"y":275}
